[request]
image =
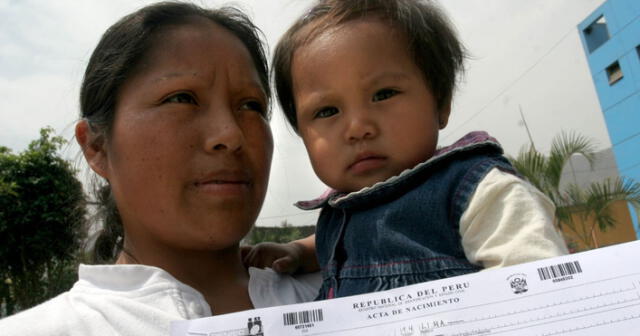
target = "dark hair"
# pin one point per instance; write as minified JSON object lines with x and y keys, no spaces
{"x":117,"y":56}
{"x":433,"y":42}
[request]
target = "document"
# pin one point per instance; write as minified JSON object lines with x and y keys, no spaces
{"x":590,"y":293}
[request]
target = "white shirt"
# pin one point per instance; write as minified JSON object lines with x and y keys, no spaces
{"x":509,"y":222}
{"x":141,"y":300}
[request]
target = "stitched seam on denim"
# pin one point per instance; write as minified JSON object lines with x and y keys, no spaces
{"x":457,"y":267}
{"x":477,"y":172}
{"x":508,"y":169}
{"x":481,"y":173}
{"x":332,"y":262}
{"x":402,"y":263}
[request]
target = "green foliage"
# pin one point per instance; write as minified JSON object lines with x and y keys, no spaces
{"x":42,"y":223}
{"x":591,"y":203}
{"x":280,"y":234}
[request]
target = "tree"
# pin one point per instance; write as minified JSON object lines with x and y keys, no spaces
{"x":592,"y":202}
{"x":278,"y":234}
{"x":42,"y":223}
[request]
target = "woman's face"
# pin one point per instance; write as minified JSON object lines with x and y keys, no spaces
{"x":189,"y":154}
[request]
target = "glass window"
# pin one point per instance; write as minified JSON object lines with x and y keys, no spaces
{"x":614,"y":72}
{"x":596,"y":34}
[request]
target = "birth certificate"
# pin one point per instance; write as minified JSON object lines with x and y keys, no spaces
{"x":590,"y":293}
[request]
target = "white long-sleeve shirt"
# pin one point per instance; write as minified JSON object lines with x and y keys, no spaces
{"x":509,"y":222}
{"x":141,"y":300}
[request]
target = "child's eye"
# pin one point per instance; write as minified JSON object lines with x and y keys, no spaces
{"x":181,"y":98}
{"x":325,"y":112}
{"x":384,"y":94}
{"x":254,"y":105}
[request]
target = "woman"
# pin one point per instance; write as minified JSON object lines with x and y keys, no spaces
{"x":174,"y":107}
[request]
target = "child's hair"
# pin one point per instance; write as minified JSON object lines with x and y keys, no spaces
{"x":120,"y":52}
{"x":433,"y":42}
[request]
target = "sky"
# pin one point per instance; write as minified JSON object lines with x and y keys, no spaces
{"x":526,"y":60}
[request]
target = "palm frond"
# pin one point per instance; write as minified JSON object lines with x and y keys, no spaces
{"x":562,"y":148}
{"x":573,"y":196}
{"x":532,"y":165}
{"x":602,"y":194}
{"x":564,"y":217}
{"x":619,"y":189}
{"x":580,"y":210}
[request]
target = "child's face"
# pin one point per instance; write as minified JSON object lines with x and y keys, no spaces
{"x":364,"y":110}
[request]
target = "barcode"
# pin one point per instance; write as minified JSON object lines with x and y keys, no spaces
{"x":306,"y":316}
{"x":556,"y":271}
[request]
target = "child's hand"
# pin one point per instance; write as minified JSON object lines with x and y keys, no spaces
{"x":282,"y":258}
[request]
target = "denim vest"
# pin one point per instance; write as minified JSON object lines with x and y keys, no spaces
{"x":404,"y":230}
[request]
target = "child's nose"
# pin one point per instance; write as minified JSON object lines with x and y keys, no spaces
{"x":361,"y":127}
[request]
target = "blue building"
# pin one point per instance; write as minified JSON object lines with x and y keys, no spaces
{"x":611,"y":40}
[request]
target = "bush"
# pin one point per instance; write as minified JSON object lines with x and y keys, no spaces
{"x":42,"y":224}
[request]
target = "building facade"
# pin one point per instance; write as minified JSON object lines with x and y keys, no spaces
{"x":577,"y":234}
{"x":611,"y":41}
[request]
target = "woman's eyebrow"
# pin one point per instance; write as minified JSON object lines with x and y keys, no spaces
{"x":170,"y":75}
{"x":253,"y":84}
{"x":248,"y":82}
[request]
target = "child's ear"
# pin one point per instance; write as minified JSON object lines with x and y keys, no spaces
{"x":93,"y":149}
{"x":443,"y":114}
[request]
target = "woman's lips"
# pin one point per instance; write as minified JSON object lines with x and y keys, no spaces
{"x":223,"y":187}
{"x":224,"y":183}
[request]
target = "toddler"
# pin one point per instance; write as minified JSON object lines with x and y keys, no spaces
{"x":368,"y":84}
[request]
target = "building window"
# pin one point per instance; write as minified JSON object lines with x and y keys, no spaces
{"x":614,"y":73}
{"x":596,"y":34}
